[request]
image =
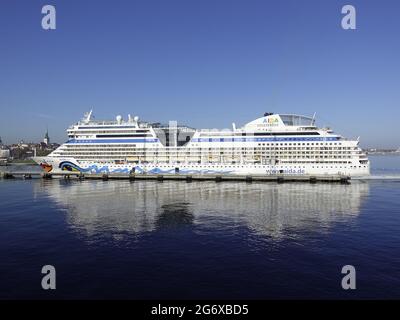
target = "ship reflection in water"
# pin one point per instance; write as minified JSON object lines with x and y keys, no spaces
{"x":199,"y":240}
{"x":273,"y":210}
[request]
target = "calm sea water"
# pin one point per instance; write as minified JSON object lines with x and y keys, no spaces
{"x":166,"y":240}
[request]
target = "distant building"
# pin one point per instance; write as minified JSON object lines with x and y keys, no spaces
{"x":4,"y":152}
{"x":22,"y":145}
{"x":46,"y":139}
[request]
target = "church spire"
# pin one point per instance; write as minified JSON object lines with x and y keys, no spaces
{"x":46,"y":139}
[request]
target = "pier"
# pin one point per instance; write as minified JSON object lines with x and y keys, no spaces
{"x":280,"y":178}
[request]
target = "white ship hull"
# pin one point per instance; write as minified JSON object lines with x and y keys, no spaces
{"x":71,"y":165}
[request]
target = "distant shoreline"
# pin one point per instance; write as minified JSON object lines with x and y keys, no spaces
{"x":21,"y":162}
{"x":394,"y":153}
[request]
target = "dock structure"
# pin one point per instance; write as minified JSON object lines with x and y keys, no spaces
{"x":280,"y":178}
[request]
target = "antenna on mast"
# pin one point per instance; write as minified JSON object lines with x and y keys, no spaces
{"x":313,"y":119}
{"x":87,"y":116}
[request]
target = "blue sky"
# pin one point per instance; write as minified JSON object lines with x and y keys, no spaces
{"x":203,"y":63}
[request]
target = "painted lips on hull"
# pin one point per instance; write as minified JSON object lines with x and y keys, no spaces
{"x":46,"y":167}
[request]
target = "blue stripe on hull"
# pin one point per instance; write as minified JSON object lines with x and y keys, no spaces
{"x":265,"y":139}
{"x":105,"y":141}
{"x":251,"y":139}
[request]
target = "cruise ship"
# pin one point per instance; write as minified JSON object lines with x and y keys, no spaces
{"x":274,"y":144}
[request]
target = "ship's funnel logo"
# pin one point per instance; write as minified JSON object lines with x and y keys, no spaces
{"x":271,"y":121}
